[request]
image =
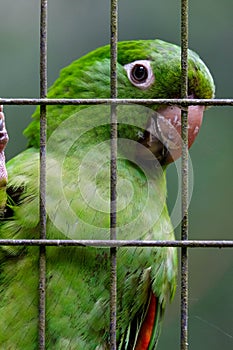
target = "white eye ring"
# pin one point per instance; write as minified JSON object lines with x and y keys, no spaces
{"x":140,"y":74}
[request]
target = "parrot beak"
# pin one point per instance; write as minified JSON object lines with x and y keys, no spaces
{"x":162,"y":135}
{"x":3,"y":142}
{"x":171,"y":129}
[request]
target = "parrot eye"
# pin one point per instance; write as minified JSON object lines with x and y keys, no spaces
{"x":140,"y":74}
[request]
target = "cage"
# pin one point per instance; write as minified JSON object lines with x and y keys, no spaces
{"x":219,"y":332}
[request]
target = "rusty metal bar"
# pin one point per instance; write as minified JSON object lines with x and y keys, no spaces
{"x":113,"y":176}
{"x":118,"y":243}
{"x":184,"y":162}
{"x":96,"y":101}
{"x":42,"y":254}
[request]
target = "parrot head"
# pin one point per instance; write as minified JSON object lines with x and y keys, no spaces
{"x":157,"y":74}
{"x":147,"y":69}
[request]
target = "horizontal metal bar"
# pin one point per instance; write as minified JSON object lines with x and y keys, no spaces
{"x":118,"y":243}
{"x":95,"y":101}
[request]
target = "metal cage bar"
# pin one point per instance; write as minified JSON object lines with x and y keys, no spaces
{"x":118,"y":243}
{"x":184,"y":160}
{"x":113,"y":243}
{"x":42,"y":249}
{"x":113,"y":175}
{"x":96,"y":101}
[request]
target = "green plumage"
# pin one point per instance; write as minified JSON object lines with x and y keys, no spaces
{"x":78,"y":161}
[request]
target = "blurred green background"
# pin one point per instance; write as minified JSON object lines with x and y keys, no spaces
{"x":76,"y":27}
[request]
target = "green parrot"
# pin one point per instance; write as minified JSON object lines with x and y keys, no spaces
{"x":77,"y":203}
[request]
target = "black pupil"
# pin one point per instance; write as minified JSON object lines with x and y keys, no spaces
{"x":139,"y":73}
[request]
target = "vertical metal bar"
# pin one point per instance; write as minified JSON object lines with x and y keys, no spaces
{"x":113,"y":176}
{"x":42,"y":252}
{"x":184,"y":225}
